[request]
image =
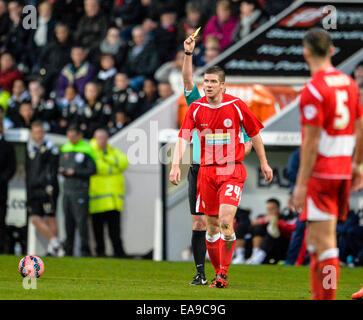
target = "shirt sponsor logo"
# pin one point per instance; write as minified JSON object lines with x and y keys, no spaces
{"x":217,"y":138}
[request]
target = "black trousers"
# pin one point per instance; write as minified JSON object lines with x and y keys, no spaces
{"x":75,"y":206}
{"x":275,"y":248}
{"x":3,"y":229}
{"x":112,"y":218}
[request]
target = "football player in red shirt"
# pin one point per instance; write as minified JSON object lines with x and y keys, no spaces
{"x":219,"y":118}
{"x":332,"y":126}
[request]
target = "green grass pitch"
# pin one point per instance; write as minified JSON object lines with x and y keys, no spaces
{"x":95,"y":278}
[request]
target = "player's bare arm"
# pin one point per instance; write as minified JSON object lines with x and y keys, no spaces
{"x":309,"y":152}
{"x":357,"y":180}
{"x":248,"y":147}
{"x":260,"y":150}
{"x":180,"y":147}
{"x":187,"y":70}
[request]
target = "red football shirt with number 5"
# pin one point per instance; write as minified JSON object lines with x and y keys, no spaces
{"x":330,"y":101}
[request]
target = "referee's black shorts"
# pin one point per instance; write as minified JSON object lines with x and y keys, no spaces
{"x":192,"y":189}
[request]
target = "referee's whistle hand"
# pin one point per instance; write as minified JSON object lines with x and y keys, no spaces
{"x":174,"y":176}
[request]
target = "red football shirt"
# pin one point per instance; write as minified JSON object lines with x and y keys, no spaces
{"x":331,"y":101}
{"x":220,"y":129}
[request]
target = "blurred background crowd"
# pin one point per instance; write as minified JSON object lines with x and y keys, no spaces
{"x":103,"y":63}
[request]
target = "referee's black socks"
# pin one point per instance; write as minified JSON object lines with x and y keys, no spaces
{"x":199,"y":249}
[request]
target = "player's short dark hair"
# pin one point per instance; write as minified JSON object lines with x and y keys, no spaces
{"x":36,"y":123}
{"x":218,"y":71}
{"x":318,"y":41}
{"x":275,"y":201}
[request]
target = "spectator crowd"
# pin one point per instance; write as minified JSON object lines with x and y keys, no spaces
{"x":103,"y":63}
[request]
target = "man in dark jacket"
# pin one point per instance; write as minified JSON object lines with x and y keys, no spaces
{"x":17,"y":37}
{"x":77,"y":166}
{"x":55,"y":56}
{"x":7,"y":171}
{"x":93,"y":25}
{"x":142,"y":58}
{"x":42,"y":187}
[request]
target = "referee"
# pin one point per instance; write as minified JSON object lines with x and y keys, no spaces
{"x":191,"y":94}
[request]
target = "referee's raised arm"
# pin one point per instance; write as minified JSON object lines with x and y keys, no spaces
{"x":187,"y":69}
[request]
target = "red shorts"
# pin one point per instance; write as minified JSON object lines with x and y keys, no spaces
{"x":219,"y":185}
{"x":326,"y":199}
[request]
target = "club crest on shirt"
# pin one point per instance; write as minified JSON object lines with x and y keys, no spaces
{"x":310,"y":112}
{"x":31,"y":155}
{"x":227,"y":123}
{"x":79,"y":157}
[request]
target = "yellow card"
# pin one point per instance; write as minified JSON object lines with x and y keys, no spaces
{"x":196,"y":32}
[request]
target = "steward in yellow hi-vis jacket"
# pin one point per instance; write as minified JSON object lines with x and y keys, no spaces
{"x":107,"y":189}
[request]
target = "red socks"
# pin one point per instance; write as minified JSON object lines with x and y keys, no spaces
{"x":314,"y":274}
{"x":324,"y":274}
{"x":328,"y":267}
{"x":220,"y":250}
{"x":227,"y":244}
{"x":212,"y":243}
